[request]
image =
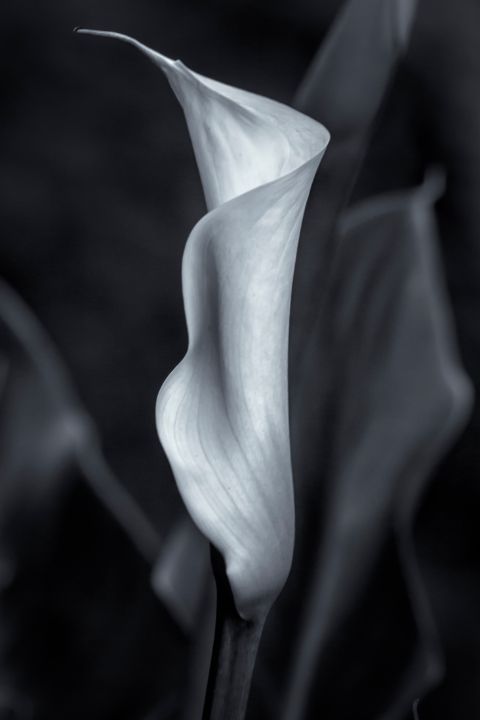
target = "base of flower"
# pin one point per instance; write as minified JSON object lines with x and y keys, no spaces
{"x":234,"y":653}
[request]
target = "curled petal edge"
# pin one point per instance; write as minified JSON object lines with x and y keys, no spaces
{"x":222,"y":414}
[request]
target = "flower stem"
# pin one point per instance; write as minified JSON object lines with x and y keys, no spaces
{"x":234,"y":652}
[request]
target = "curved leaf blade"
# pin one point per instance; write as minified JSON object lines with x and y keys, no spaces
{"x":397,"y":398}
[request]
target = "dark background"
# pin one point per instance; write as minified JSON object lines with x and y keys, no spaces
{"x":98,"y":192}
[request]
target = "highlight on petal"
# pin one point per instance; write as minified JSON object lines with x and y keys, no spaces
{"x":222,"y":414}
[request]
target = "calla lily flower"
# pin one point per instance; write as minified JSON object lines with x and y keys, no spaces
{"x":222,"y":414}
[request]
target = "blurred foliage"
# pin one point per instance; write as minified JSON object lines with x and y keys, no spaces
{"x":82,"y":633}
{"x":98,"y":192}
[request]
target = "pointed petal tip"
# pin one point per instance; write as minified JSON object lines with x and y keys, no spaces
{"x":78,"y":30}
{"x":162,"y":60}
{"x":102,"y":33}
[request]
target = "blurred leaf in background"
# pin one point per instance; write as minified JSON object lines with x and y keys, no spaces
{"x":95,"y":204}
{"x":82,"y":633}
{"x":395,"y":399}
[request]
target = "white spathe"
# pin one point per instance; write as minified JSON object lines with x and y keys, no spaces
{"x":222,"y":414}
